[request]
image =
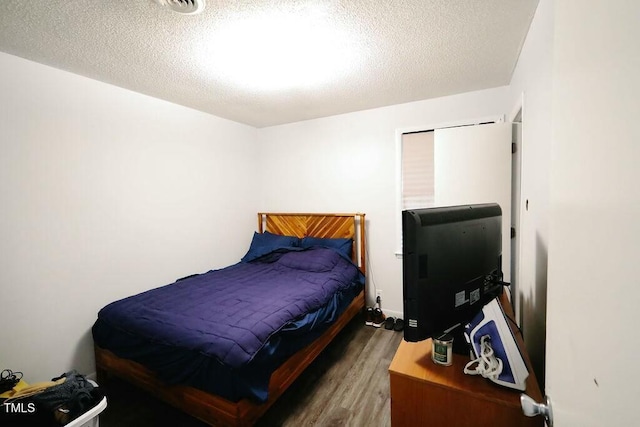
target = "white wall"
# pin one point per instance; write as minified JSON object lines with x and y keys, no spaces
{"x":105,"y":193}
{"x":347,"y":163}
{"x":531,"y":87}
{"x":594,"y":233}
{"x":579,"y":73}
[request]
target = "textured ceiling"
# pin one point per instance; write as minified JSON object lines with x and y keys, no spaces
{"x":339,"y":55}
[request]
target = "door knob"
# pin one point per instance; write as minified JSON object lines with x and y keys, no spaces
{"x":531,"y":408}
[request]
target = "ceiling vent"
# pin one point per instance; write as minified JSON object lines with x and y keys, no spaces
{"x":186,"y":7}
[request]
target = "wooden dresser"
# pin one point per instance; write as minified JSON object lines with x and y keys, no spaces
{"x":426,"y":394}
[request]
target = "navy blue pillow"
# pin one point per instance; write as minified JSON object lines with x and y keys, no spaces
{"x":342,"y":245}
{"x":316,"y":260}
{"x":264,"y":243}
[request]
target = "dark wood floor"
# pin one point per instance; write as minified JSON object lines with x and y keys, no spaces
{"x":347,"y":385}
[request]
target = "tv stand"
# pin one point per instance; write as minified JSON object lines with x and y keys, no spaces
{"x":424,"y":393}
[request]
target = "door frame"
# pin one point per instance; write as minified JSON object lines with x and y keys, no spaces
{"x":516,"y":215}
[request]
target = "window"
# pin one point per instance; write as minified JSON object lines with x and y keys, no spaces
{"x":415,"y":167}
{"x":417,"y":170}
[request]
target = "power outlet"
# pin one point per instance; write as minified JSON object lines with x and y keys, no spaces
{"x":378,"y":294}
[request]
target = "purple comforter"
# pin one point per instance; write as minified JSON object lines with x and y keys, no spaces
{"x":230,"y":313}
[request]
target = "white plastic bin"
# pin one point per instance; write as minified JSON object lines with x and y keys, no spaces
{"x":90,"y":418}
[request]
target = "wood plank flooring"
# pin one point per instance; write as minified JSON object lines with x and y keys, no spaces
{"x":347,"y":385}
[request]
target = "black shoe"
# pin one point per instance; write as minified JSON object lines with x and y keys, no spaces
{"x":369,"y":319}
{"x":388,"y":323}
{"x":378,"y":317}
{"x":399,"y":325}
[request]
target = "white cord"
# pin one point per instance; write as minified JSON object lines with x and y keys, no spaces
{"x":489,"y":366}
{"x":369,"y":269}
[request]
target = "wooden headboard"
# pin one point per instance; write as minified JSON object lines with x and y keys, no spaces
{"x":319,"y":225}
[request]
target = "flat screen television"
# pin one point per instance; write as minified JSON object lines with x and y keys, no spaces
{"x":452,"y":267}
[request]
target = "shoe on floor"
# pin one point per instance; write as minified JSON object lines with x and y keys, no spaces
{"x":369,"y":318}
{"x":378,"y":317}
{"x":389,"y":322}
{"x":398,"y":325}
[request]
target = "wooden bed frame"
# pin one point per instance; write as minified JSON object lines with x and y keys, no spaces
{"x":215,"y":410}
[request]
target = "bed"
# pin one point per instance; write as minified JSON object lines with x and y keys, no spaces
{"x":317,"y":281}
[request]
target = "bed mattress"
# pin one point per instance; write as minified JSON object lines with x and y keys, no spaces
{"x":227,"y":330}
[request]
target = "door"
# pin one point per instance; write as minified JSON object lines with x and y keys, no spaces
{"x":472,"y":164}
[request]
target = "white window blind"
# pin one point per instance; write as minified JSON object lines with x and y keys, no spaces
{"x":417,"y":170}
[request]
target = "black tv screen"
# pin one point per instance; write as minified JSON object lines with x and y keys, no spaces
{"x":452,"y":267}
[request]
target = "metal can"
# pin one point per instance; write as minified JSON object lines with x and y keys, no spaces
{"x":442,"y":350}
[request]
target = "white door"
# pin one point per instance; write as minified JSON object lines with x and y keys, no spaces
{"x":472,"y":164}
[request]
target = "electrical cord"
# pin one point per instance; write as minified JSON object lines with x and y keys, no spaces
{"x":370,"y":276}
{"x":511,"y":319}
{"x":9,"y":379}
{"x":489,"y":366}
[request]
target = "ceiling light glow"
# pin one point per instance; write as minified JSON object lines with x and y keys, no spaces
{"x":281,"y":50}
